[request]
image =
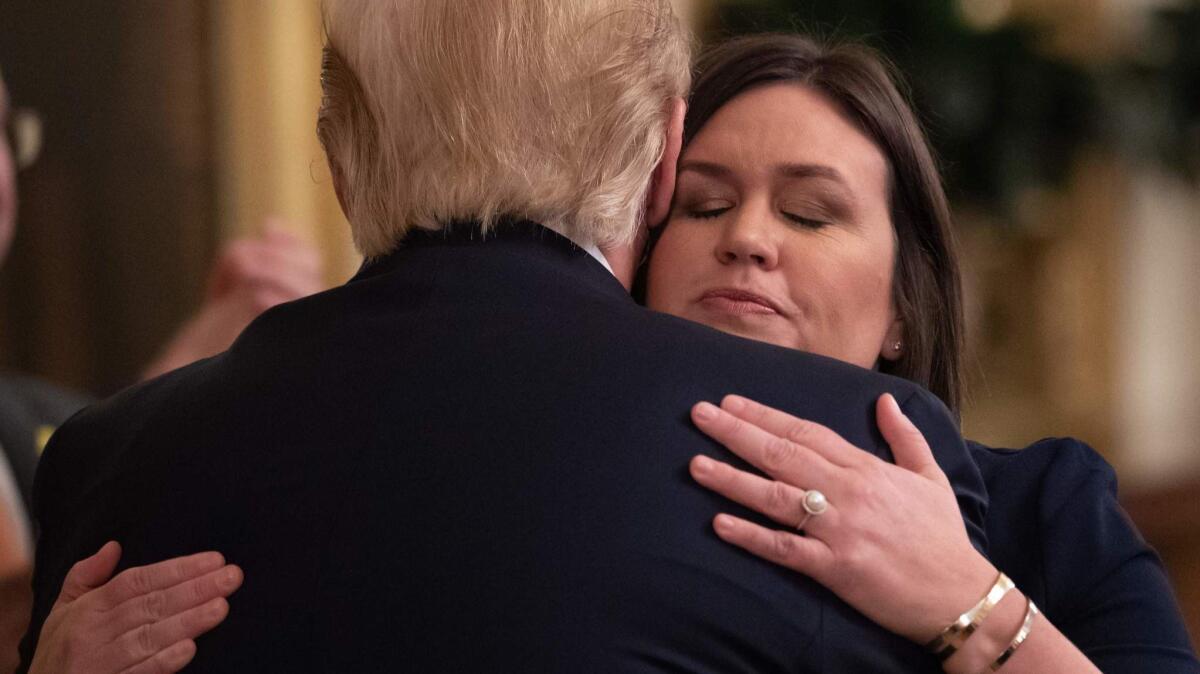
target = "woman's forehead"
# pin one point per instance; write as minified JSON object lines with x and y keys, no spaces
{"x":787,"y":130}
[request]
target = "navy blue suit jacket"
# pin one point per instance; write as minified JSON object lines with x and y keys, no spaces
{"x":471,"y":457}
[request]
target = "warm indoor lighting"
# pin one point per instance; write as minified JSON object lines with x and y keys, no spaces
{"x":985,"y":15}
{"x":25,"y":136}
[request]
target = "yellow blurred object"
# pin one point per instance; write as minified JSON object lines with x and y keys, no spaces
{"x":41,"y":437}
{"x":26,"y":131}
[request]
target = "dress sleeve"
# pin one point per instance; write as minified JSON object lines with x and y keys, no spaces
{"x":1105,"y":587}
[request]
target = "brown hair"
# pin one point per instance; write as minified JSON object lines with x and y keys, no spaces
{"x":927,"y":289}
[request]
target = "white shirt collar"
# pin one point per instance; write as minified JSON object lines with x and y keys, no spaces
{"x":594,"y":250}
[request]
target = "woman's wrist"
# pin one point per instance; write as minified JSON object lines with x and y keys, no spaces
{"x":991,"y":638}
{"x":953,"y":637}
{"x":974,"y":578}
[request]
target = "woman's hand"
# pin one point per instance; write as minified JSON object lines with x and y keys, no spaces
{"x":891,"y":543}
{"x":141,"y":622}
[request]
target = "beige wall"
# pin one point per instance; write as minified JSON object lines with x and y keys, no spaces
{"x":1158,"y":330}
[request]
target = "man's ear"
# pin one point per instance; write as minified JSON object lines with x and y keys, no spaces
{"x":339,"y":184}
{"x":662,"y":183}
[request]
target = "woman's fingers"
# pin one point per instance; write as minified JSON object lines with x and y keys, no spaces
{"x":810,"y":434}
{"x":161,"y":604}
{"x":908,"y":444}
{"x":142,"y":580}
{"x":145,"y":642}
{"x":892,"y":543}
{"x":778,"y":457}
{"x":806,"y":555}
{"x":167,"y":661}
{"x":777,"y":500}
{"x":90,"y":573}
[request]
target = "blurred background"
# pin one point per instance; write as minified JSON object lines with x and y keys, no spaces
{"x":1069,"y":132}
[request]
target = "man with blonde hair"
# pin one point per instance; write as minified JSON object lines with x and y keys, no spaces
{"x":549,"y":111}
{"x":472,"y":456}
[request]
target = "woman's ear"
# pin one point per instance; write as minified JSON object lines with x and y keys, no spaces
{"x":662,"y":182}
{"x":893,"y":342}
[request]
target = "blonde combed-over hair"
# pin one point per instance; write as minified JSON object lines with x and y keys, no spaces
{"x":436,"y":111}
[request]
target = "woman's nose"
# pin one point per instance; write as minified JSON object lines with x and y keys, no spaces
{"x":744,"y":242}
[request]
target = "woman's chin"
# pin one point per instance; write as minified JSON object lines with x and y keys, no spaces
{"x":757,"y":327}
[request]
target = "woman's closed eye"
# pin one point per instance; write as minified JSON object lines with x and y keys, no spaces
{"x":811,"y":213}
{"x":806,"y":222}
{"x":707,"y":209}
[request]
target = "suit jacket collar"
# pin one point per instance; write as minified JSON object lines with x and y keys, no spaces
{"x":515,"y":242}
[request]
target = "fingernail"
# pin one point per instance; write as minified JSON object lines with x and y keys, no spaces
{"x":230,"y":577}
{"x":706,"y":411}
{"x":702,"y":465}
{"x":733,"y":404}
{"x":724,"y":524}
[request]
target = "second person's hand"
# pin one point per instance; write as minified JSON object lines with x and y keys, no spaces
{"x":891,"y":542}
{"x":143,"y":621}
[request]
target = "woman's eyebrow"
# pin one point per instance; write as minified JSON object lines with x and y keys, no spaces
{"x":810,"y":171}
{"x":794,"y":171}
{"x":705,"y":168}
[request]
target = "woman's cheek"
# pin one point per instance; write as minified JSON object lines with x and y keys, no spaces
{"x":667,"y":268}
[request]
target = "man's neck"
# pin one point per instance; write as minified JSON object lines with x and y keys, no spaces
{"x":621,"y":260}
{"x":624,"y":261}
{"x":625,"y":258}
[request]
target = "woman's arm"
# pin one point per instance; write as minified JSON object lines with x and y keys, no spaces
{"x":1099,"y":581}
{"x":143,"y":621}
{"x":891,"y":543}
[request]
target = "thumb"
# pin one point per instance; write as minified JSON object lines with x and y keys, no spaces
{"x":90,"y":573}
{"x":907,"y":443}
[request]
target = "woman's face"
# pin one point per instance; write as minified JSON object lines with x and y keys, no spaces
{"x":781,"y":230}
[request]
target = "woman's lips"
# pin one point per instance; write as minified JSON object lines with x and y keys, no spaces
{"x":737,"y":302}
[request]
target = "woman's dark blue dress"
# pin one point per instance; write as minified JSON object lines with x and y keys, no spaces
{"x":1055,"y":527}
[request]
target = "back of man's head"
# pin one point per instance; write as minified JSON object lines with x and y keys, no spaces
{"x":444,"y":110}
